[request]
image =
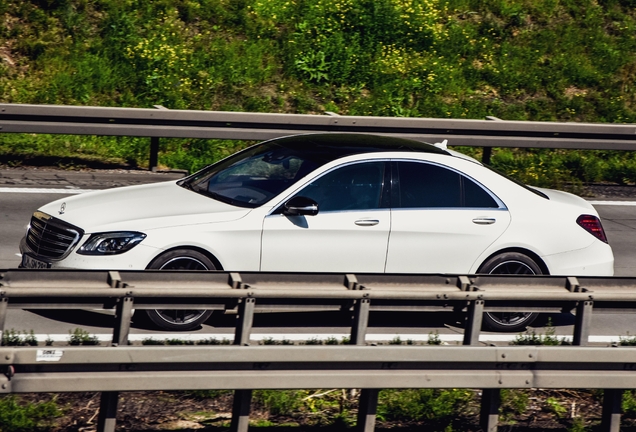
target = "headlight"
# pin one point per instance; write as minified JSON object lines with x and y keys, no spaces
{"x":111,"y":243}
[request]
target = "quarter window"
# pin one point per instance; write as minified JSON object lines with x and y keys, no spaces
{"x":424,"y":185}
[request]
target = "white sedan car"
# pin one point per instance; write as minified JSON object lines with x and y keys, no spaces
{"x":327,"y":203}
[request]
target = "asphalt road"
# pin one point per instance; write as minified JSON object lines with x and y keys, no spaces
{"x":23,"y":191}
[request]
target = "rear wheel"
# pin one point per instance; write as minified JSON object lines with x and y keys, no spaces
{"x":510,"y":263}
{"x":183,"y":320}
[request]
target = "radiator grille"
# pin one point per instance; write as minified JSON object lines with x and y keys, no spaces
{"x":50,"y":237}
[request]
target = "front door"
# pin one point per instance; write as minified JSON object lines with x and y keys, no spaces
{"x":349,"y":233}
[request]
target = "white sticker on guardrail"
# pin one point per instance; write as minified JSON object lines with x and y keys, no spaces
{"x":48,"y":355}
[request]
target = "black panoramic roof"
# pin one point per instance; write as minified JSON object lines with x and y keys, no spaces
{"x":342,"y":144}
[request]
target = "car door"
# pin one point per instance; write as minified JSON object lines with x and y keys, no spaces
{"x":348,"y":234}
{"x":442,"y":220}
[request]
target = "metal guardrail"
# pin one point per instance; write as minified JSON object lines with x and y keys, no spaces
{"x":164,"y":123}
{"x":242,"y":368}
{"x":76,"y":369}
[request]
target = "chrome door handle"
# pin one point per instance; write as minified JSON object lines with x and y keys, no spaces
{"x":484,"y":221}
{"x":367,"y":222}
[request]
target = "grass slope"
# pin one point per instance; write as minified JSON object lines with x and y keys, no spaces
{"x":549,"y":60}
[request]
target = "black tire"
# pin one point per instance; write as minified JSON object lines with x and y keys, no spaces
{"x":510,"y":263}
{"x":180,"y":320}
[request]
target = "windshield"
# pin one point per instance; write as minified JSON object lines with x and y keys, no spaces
{"x":254,"y":176}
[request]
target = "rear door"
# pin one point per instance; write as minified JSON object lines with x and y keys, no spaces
{"x":442,"y":220}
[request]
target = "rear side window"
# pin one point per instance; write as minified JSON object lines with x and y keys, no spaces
{"x":424,"y":185}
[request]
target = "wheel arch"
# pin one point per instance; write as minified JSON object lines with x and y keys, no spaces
{"x":533,"y":256}
{"x":209,"y":255}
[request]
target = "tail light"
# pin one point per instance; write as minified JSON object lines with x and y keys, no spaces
{"x":592,"y":224}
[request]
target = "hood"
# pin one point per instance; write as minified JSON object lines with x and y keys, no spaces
{"x":141,"y":208}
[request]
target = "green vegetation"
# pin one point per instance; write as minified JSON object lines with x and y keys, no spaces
{"x":338,"y":407}
{"x":627,"y":340}
{"x":514,"y":403}
{"x":530,"y":337}
{"x":15,"y":338}
{"x":578,"y":425}
{"x":629,"y":402}
{"x":214,"y":341}
{"x":332,"y":409}
{"x":433,"y":339}
{"x":176,"y":341}
{"x":17,"y":415}
{"x":442,"y":407}
{"x":81,"y":337}
{"x":541,"y":60}
{"x":555,"y":407}
{"x":311,"y":407}
{"x":272,"y":341}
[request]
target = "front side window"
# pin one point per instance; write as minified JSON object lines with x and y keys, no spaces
{"x":425,"y":185}
{"x":357,"y":186}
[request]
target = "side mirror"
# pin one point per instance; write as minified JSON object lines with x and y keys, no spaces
{"x":300,"y":206}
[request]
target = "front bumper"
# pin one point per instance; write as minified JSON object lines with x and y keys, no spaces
{"x":135,"y":259}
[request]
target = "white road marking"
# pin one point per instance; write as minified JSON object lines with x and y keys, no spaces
{"x":69,"y":191}
{"x":613,"y":203}
{"x":300,"y":337}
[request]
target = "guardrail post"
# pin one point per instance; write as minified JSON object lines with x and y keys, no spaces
{"x":123,"y":316}
{"x":245,"y":319}
{"x":241,"y":410}
{"x":360,"y":322}
{"x":487,"y":151}
{"x":473,"y":322}
{"x":490,"y":398}
{"x":4,"y":307}
{"x":242,"y":398}
{"x":489,"y":415}
{"x":154,"y":147}
{"x":582,"y":323}
{"x":154,"y":154}
{"x":360,"y":312}
{"x":486,"y":155}
{"x":611,"y":417}
{"x":368,"y":400}
{"x":107,"y":419}
{"x":367,"y":407}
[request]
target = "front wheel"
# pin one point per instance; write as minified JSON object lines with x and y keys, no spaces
{"x":180,"y":320}
{"x":510,"y":263}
